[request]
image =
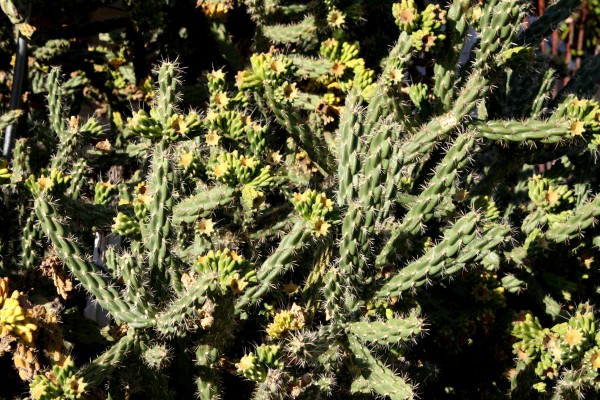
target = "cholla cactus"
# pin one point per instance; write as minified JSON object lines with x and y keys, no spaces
{"x":306,"y":210}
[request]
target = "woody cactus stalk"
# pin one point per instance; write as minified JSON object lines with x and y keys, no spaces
{"x":306,"y":211}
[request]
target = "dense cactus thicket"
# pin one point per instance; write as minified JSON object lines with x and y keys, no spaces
{"x":389,"y":200}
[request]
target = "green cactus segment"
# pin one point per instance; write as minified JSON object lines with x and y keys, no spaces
{"x":423,"y":208}
{"x":350,"y":132}
{"x":311,"y":68}
{"x":524,"y":131}
{"x":300,"y":132}
{"x":207,"y":363}
{"x":104,"y":193}
{"x":104,"y":292}
{"x":544,"y":93}
{"x":277,"y":264}
{"x":354,"y":250}
{"x":503,"y":26}
{"x":445,"y":69}
{"x":126,"y":226}
{"x":379,"y":379}
{"x":10,"y":118}
{"x":159,"y":226}
{"x":103,"y":366}
{"x":168,"y":90}
{"x":390,"y":331}
{"x":78,"y":181}
{"x":57,"y":115}
{"x":202,"y":204}
{"x":130,"y":269}
{"x":581,"y":218}
{"x":314,"y":208}
{"x":172,"y":320}
{"x":546,"y":23}
{"x":462,"y":244}
{"x":28,"y":239}
{"x":301,"y":33}
{"x":335,"y":301}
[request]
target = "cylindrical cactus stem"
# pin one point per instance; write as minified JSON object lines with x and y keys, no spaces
{"x":334,"y":295}
{"x":70,"y":253}
{"x":10,"y":118}
{"x":102,"y":367}
{"x":444,"y":69}
{"x":77,"y":179}
{"x":379,"y":379}
{"x":202,"y":204}
{"x":422,"y":210}
{"x":162,"y":275}
{"x":57,"y":115}
{"x":278,"y":263}
{"x":354,"y":250}
{"x":388,"y":332}
{"x":314,"y":146}
{"x":582,"y":218}
{"x":504,"y":24}
{"x":172,"y":320}
{"x":544,"y":93}
{"x":207,"y":382}
{"x":543,"y":26}
{"x":461,"y":244}
{"x":131,"y":273}
{"x":398,"y":59}
{"x":28,"y":239}
{"x":350,"y":133}
{"x":528,"y":131}
{"x":168,"y":90}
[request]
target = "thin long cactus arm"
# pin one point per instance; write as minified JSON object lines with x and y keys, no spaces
{"x":445,"y":69}
{"x":168,"y":91}
{"x":315,"y":147}
{"x":56,"y":112}
{"x":162,"y":274}
{"x":202,"y":204}
{"x":528,"y":131}
{"x":583,"y":217}
{"x":103,"y":366}
{"x":9,"y":118}
{"x":422,"y":209}
{"x":276,"y":264}
{"x":548,"y":22}
{"x":80,"y":167}
{"x":544,"y":94}
{"x":105,"y":293}
{"x":172,"y":320}
{"x":378,"y":378}
{"x":350,"y":132}
{"x":461,"y":244}
{"x":391,"y":331}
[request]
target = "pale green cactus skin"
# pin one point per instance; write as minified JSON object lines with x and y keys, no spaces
{"x":317,"y":187}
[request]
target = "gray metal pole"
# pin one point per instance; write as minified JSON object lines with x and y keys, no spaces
{"x":17,"y":90}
